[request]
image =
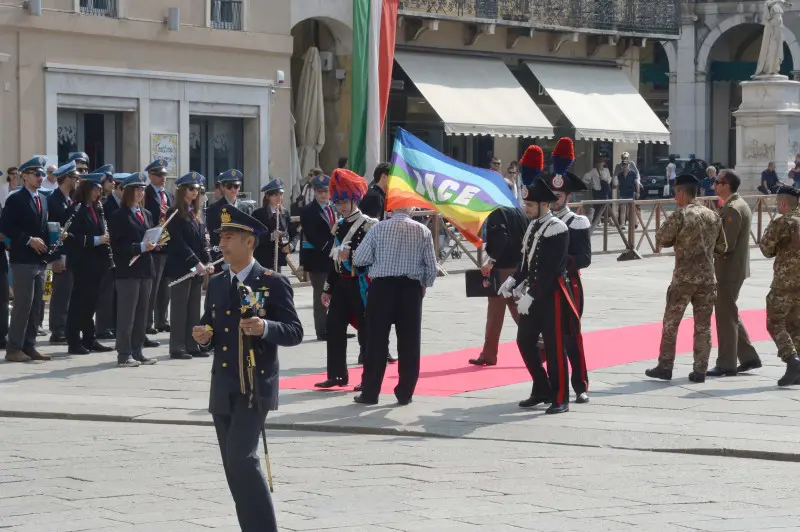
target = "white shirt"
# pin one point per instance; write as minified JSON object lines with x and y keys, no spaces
{"x":240,"y":277}
{"x":594,"y":177}
{"x":670,"y":172}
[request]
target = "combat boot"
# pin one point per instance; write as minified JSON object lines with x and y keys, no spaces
{"x":792,"y":372}
{"x":659,"y":373}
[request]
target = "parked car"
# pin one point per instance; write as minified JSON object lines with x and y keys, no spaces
{"x":655,"y":178}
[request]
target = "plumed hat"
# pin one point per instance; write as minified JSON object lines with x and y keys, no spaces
{"x":538,"y":192}
{"x":562,"y":158}
{"x":531,"y":165}
{"x":347,"y":185}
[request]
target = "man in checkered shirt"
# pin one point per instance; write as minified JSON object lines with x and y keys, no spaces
{"x":402,"y":265}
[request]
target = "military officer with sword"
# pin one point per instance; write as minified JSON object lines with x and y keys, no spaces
{"x":243,"y":391}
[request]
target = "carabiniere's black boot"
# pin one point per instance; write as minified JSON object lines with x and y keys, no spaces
{"x":330,"y":383}
{"x":557,"y":408}
{"x":792,"y":372}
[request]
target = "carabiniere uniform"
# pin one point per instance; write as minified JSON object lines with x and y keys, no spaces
{"x":240,"y":395}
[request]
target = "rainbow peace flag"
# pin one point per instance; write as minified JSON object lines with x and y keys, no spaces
{"x":423,"y":177}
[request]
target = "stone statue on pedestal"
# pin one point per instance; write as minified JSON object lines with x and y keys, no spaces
{"x":771,"y":55}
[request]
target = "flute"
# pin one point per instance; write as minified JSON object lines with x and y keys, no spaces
{"x":161,"y":240}
{"x":105,"y":228}
{"x":192,"y":273}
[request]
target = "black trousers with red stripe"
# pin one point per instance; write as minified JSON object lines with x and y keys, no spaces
{"x":574,"y":339}
{"x":548,"y":317}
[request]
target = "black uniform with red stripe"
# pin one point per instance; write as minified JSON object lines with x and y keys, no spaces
{"x":543,"y":269}
{"x":580,"y":257}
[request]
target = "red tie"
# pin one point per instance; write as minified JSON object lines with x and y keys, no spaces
{"x":140,"y":217}
{"x":38,"y":203}
{"x":163,"y":197}
{"x":94,"y":215}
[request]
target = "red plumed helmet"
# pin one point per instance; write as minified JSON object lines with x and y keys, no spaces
{"x":563,"y":155}
{"x":347,"y":185}
{"x":531,"y":164}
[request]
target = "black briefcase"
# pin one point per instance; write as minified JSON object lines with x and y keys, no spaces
{"x":479,"y":286}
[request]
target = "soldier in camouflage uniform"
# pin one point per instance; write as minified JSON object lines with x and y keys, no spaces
{"x":782,"y":241}
{"x":696,"y":233}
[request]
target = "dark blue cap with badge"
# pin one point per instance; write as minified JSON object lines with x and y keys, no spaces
{"x":79,"y":156}
{"x":95,"y":179}
{"x":275,"y":186}
{"x":687,"y":179}
{"x":67,"y":169}
{"x":38,"y":161}
{"x":321,"y":182}
{"x":191,"y":180}
{"x":135,"y":180}
{"x":106,"y":169}
{"x":230,"y":176}
{"x":159,"y":166}
{"x":232,"y":219}
{"x":786,"y":190}
{"x":119,"y":177}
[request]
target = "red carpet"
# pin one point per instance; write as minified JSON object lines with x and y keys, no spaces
{"x":449,"y":373}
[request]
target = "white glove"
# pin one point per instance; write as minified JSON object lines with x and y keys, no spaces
{"x":524,"y":304}
{"x":519,"y":291}
{"x":506,"y":288}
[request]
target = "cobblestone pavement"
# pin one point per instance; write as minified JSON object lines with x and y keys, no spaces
{"x":66,"y":476}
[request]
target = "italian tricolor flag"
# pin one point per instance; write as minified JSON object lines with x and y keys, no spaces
{"x":374,"y":27}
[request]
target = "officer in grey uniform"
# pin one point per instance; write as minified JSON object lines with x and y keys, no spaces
{"x":245,"y":389}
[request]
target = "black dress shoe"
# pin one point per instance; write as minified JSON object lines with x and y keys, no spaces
{"x":360,"y":399}
{"x":404,"y":401}
{"x":582,"y":398}
{"x":481,"y":361}
{"x":199,"y":354}
{"x":532,"y":401}
{"x":150,"y":343}
{"x":331,"y":383}
{"x":750,"y":365}
{"x":163,"y":328}
{"x":151,"y":330}
{"x":58,"y":338}
{"x":97,"y":347}
{"x":78,"y":350}
{"x":106,"y":335}
{"x":144,"y":361}
{"x":792,"y":372}
{"x":697,"y":377}
{"x":557,"y":408}
{"x":391,"y":359}
{"x":717,"y":371}
{"x":180,"y":356}
{"x":357,"y":388}
{"x":659,"y":373}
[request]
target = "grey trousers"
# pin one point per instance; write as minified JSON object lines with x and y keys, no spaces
{"x":59,"y":301}
{"x":185,"y":313}
{"x":105,"y":318}
{"x":320,"y":312}
{"x":133,"y":297}
{"x":159,"y":294}
{"x":28,"y":290}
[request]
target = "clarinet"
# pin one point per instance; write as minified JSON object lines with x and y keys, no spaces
{"x":64,"y":232}
{"x":105,"y":228}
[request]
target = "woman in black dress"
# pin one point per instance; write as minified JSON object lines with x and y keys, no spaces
{"x":277,"y":219}
{"x":88,"y":257}
{"x":186,"y":253}
{"x":134,"y":281}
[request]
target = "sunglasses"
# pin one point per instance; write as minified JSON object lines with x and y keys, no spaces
{"x":37,"y":173}
{"x":231,"y":186}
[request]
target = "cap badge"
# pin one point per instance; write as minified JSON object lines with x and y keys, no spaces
{"x":225,"y":218}
{"x":558,"y":181}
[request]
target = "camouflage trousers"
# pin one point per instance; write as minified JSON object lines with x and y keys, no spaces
{"x":702,"y":297}
{"x":783,"y":322}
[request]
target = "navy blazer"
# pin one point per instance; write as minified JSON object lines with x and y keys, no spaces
{"x":186,"y":247}
{"x":229,"y":375}
{"x":127,"y":233}
{"x":110,"y":206}
{"x":152,"y":202}
{"x":265,"y":251}
{"x":21,"y":221}
{"x":317,"y":238}
{"x":82,"y":255}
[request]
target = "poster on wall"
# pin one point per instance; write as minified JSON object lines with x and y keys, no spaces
{"x":165,"y":146}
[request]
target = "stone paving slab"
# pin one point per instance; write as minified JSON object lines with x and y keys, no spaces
{"x":121,"y":477}
{"x":746,"y":414}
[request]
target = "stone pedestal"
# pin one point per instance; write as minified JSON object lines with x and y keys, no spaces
{"x":767,"y":128}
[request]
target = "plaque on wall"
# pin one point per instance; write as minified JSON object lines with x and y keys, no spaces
{"x":165,"y":146}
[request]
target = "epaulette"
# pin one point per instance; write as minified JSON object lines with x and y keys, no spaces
{"x":369,"y":222}
{"x":580,"y":222}
{"x":555,"y":228}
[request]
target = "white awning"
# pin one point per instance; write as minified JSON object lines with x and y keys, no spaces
{"x":475,"y":96}
{"x":600,"y":102}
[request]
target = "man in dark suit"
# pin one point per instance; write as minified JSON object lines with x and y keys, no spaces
{"x":242,"y":397}
{"x":158,"y":201}
{"x":230,"y":183}
{"x":374,"y":202}
{"x":317,"y":220}
{"x":24,"y":222}
{"x":58,"y":205}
